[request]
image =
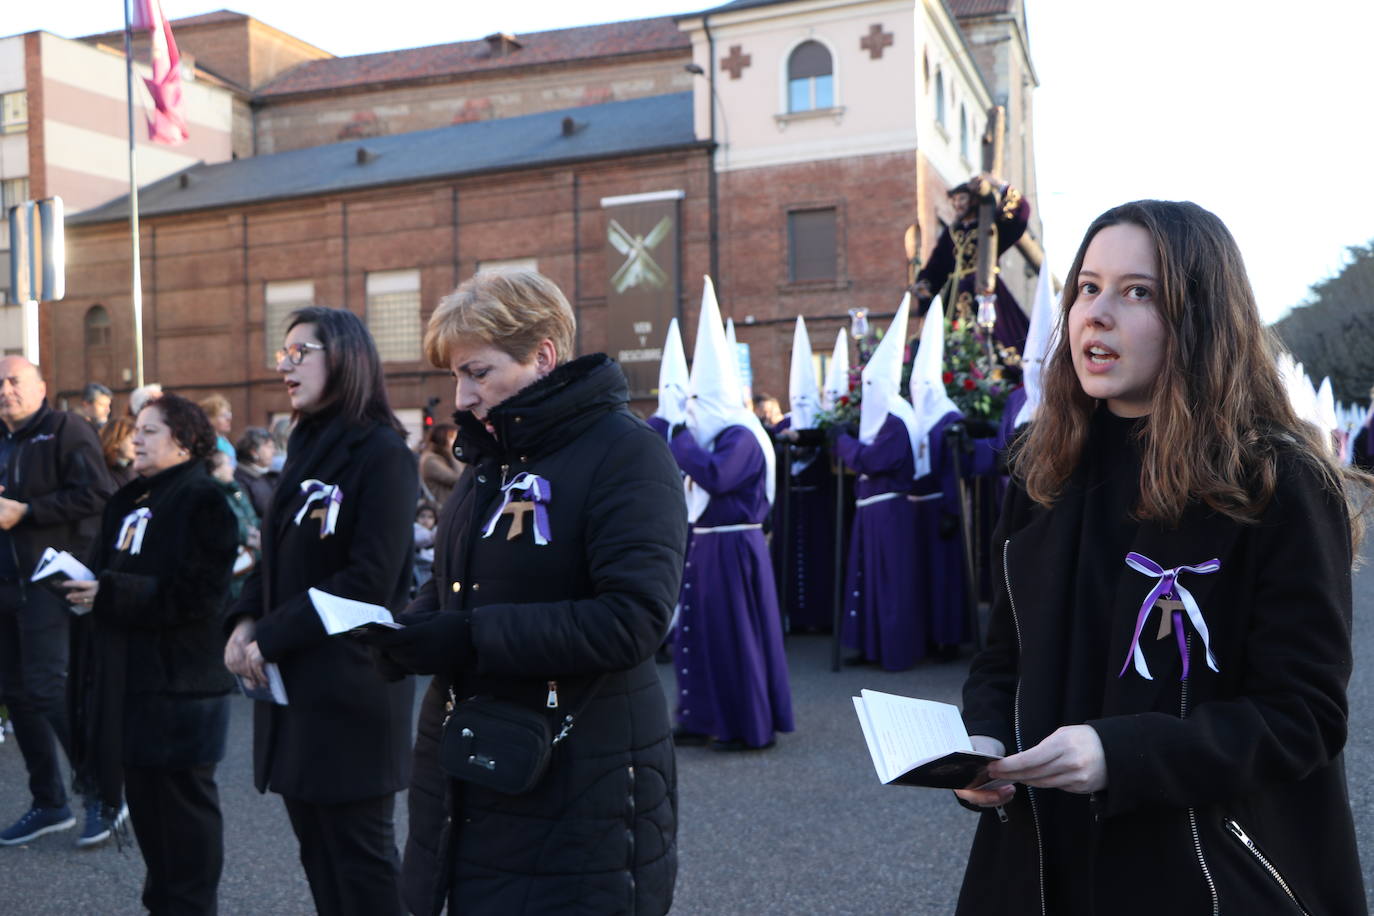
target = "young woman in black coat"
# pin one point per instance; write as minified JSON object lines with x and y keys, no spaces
{"x":339,"y":521}
{"x":533,"y":602}
{"x":1169,"y":648}
{"x":166,"y":546}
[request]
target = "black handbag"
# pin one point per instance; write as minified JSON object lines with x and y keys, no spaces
{"x":502,"y":745}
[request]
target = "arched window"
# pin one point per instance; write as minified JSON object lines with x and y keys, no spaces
{"x":963,"y":132}
{"x":810,"y":78}
{"x":939,"y":97}
{"x":97,"y":326}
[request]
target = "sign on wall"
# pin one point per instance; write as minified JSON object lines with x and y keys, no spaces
{"x":643,"y":282}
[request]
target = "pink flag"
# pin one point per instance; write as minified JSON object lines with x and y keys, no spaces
{"x":166,"y":124}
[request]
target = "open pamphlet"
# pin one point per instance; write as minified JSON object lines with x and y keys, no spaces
{"x":920,"y":743}
{"x":339,"y":615}
{"x":57,"y":566}
{"x":274,"y":692}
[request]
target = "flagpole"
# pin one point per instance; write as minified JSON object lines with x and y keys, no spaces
{"x":137,"y":286}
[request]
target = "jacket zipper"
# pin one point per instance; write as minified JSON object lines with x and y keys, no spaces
{"x":1263,"y":860}
{"x":552,"y":701}
{"x":1016,"y":725}
{"x":504,"y":469}
{"x":1192,"y":812}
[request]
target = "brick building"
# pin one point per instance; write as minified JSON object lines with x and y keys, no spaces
{"x":801,"y":138}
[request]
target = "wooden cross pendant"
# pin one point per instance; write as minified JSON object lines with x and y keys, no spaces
{"x":321,"y":513}
{"x":517,"y":511}
{"x":1167,"y":606}
{"x":128,"y":539}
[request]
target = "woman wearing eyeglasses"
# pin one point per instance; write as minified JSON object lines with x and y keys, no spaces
{"x":339,"y":521}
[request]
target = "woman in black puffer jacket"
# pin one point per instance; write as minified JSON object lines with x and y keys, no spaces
{"x":537,"y":624}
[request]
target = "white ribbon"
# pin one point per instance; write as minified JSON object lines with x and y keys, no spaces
{"x":138,"y":521}
{"x":1167,"y":585}
{"x":319,"y":491}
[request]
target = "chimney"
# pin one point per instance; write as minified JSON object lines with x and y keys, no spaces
{"x":365,"y":155}
{"x":501,"y":44}
{"x":571,"y":127}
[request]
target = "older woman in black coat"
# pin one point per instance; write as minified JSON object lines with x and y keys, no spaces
{"x":167,"y":542}
{"x":340,"y":521}
{"x":550,"y":604}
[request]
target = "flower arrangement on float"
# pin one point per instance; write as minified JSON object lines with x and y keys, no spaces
{"x":979,"y":391}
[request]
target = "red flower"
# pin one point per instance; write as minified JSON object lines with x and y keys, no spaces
{"x":947,"y":377}
{"x":969,"y":385}
{"x":954,"y":327}
{"x":843,"y":399}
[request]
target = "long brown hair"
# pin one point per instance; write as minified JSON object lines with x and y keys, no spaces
{"x":1219,"y":412}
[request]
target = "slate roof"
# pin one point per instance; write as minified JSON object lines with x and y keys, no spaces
{"x":611,"y":129}
{"x":638,"y":36}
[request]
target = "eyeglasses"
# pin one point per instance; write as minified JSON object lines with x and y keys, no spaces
{"x":296,"y":352}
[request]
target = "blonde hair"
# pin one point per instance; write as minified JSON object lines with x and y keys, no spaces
{"x":511,"y":310}
{"x":215,"y":405}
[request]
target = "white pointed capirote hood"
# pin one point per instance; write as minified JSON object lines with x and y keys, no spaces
{"x":715,"y":402}
{"x":1326,"y":406}
{"x":1040,"y":343}
{"x":837,"y":373}
{"x":802,"y":391}
{"x":732,"y":343}
{"x":882,"y":383}
{"x":672,"y":378}
{"x":929,"y":399}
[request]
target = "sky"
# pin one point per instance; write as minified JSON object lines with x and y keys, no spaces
{"x":1257,"y":112}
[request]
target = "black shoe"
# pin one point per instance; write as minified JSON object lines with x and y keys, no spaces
{"x":684,"y":738}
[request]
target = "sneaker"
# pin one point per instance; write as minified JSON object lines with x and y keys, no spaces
{"x":37,"y":822}
{"x":101,"y":821}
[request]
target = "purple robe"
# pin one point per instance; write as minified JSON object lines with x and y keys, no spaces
{"x":882,"y":618}
{"x":1006,"y":432}
{"x":731,"y":670}
{"x":941,"y":580}
{"x":658,"y":425}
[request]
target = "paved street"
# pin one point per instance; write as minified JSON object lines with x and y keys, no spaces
{"x":802,"y":828}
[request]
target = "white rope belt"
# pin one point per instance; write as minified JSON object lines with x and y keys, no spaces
{"x":884,"y":497}
{"x":721,"y":529}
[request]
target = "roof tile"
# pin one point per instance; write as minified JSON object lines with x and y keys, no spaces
{"x":558,"y":46}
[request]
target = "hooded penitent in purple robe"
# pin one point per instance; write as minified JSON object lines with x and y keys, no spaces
{"x":941,"y":577}
{"x":881,"y":616}
{"x":731,"y":670}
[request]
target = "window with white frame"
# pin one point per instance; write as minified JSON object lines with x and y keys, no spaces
{"x":810,"y":78}
{"x":13,"y":192}
{"x":393,"y":314}
{"x":14,"y":112}
{"x":281,"y":298}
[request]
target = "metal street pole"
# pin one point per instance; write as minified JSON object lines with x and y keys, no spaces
{"x":137,"y":285}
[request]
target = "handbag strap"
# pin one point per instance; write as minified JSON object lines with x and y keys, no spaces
{"x":570,"y":719}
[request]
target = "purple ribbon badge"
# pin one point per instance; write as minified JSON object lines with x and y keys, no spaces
{"x":332,"y":497}
{"x":1169,"y":589}
{"x":537,"y":494}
